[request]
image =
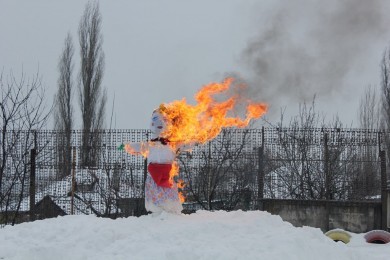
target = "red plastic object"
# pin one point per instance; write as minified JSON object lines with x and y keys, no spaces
{"x":377,"y":237}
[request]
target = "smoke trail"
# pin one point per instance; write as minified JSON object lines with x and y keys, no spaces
{"x":309,"y":47}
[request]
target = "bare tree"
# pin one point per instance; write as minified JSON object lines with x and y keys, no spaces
{"x":219,"y":176}
{"x":293,"y":177}
{"x":307,"y":165}
{"x":22,"y":114}
{"x":385,"y":89}
{"x":63,"y":116}
{"x":92,"y":97}
{"x":369,"y":109}
{"x":111,"y":190}
{"x":369,"y":116}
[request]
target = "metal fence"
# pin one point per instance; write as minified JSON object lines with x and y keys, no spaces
{"x":50,"y":173}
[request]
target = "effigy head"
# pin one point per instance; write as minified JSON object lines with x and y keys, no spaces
{"x":158,"y":123}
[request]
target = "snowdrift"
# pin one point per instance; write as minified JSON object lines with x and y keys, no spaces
{"x":202,"y":235}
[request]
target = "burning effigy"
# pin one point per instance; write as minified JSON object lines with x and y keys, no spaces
{"x":178,"y":126}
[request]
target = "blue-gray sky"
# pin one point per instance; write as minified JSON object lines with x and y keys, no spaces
{"x":159,"y":51}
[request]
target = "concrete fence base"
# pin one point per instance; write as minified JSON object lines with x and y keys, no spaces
{"x":357,"y":217}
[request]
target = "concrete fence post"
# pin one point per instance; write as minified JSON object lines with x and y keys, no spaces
{"x":32,"y":183}
{"x":384,"y":190}
{"x":388,"y":208}
{"x":260,"y":173}
{"x":73,"y":184}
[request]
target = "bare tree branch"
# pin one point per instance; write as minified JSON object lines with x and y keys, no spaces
{"x":22,"y":113}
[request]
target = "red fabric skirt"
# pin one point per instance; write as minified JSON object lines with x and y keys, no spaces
{"x":160,"y":174}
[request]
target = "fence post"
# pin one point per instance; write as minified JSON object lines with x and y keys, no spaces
{"x":382,"y":156}
{"x":260,"y":173}
{"x":327,"y":180}
{"x":145,"y":169}
{"x":326,"y":167}
{"x":32,"y":183}
{"x":145,"y":173}
{"x":73,"y":180}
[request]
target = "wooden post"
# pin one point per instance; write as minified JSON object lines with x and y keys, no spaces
{"x":32,"y":183}
{"x":73,"y":180}
{"x":145,"y":173}
{"x":145,"y":169}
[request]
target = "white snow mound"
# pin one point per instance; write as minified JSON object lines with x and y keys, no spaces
{"x":203,"y":235}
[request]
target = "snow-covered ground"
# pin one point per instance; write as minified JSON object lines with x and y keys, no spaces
{"x":203,"y":235}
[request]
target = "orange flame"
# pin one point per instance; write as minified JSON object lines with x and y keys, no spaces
{"x":144,"y":151}
{"x":180,"y":183}
{"x":180,"y":186}
{"x":205,"y":120}
{"x":174,"y":171}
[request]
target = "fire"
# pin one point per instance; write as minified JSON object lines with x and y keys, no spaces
{"x":174,"y":171}
{"x":180,"y":183}
{"x":205,"y":120}
{"x":144,"y":151}
{"x":180,"y":186}
{"x":202,"y":122}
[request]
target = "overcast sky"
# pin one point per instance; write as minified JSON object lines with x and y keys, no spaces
{"x":159,"y":51}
